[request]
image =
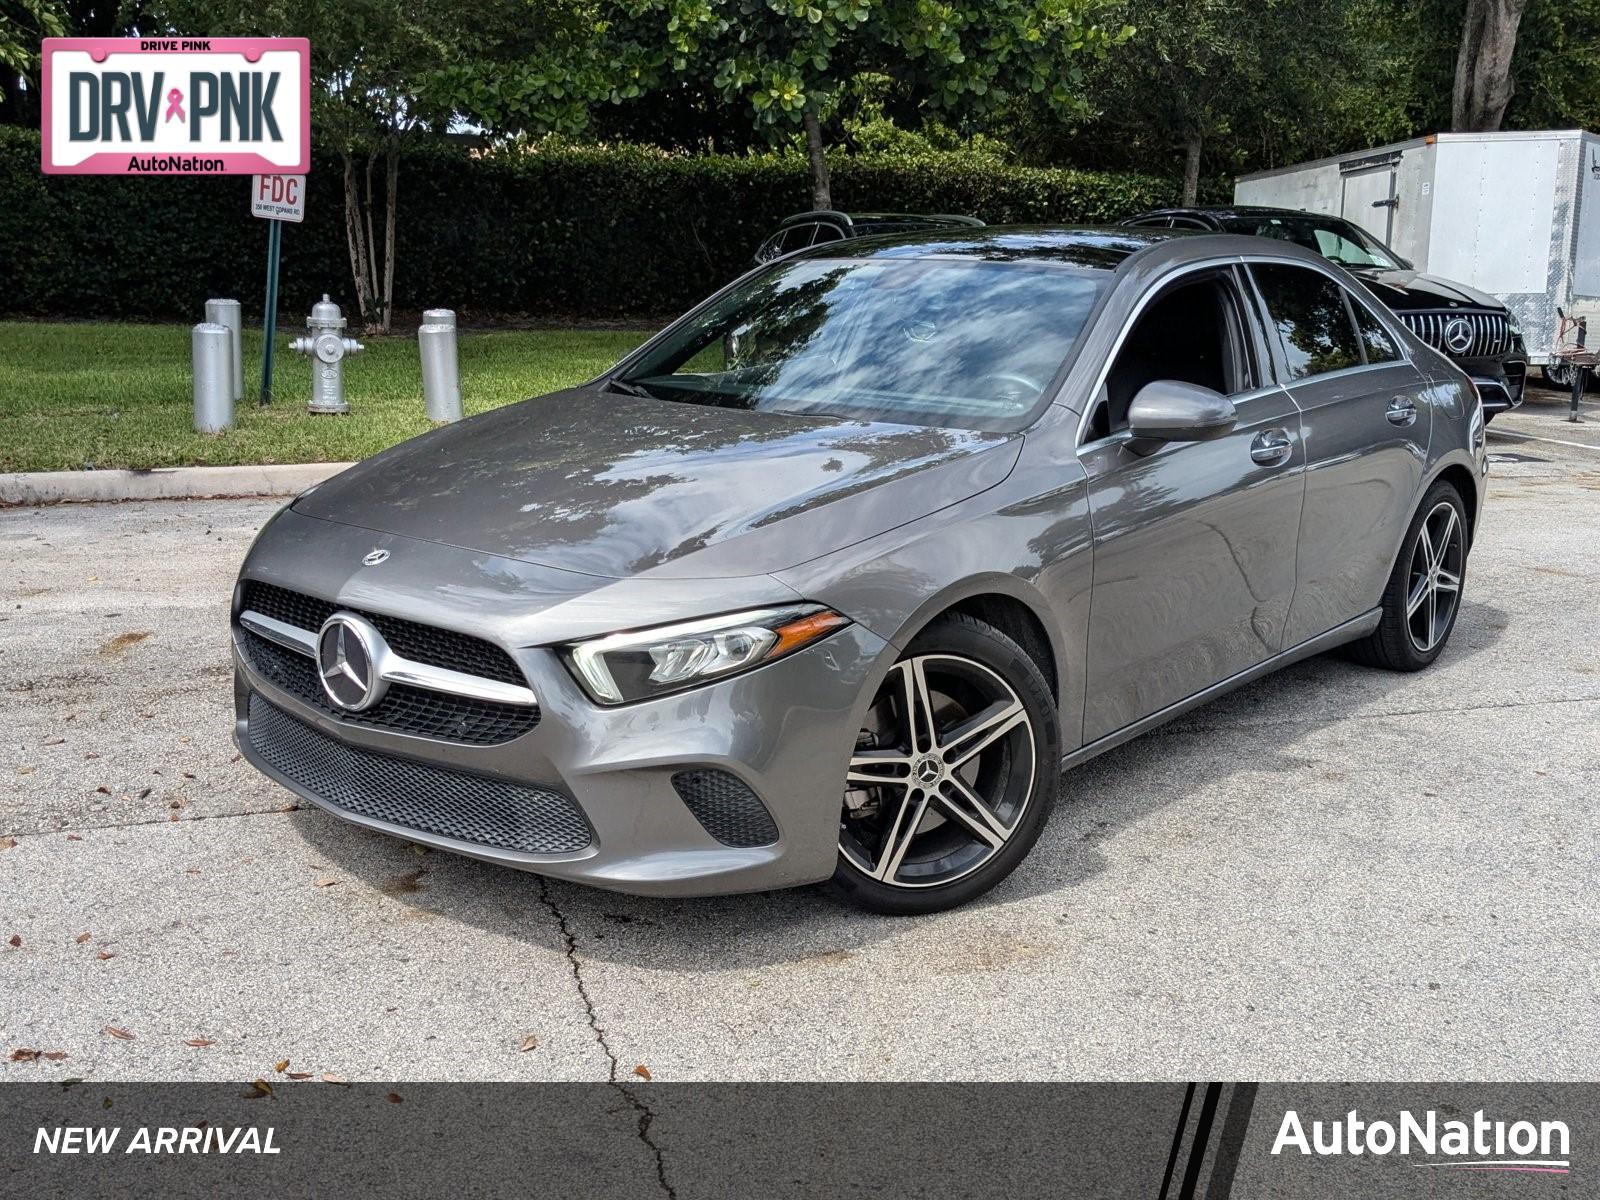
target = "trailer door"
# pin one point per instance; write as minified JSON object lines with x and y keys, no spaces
{"x":1369,"y":199}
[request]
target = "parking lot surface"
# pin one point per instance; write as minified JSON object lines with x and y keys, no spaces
{"x":1333,"y":873}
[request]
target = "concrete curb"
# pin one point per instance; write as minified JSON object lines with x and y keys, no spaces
{"x":162,"y":483}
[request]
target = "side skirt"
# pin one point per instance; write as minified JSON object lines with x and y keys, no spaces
{"x":1357,"y":627}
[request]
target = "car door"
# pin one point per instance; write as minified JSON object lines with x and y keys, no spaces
{"x":1194,"y":543}
{"x":1366,"y":440}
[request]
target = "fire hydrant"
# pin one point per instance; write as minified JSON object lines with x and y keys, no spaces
{"x":328,"y":347}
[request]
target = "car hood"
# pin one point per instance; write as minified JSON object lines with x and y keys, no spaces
{"x":1412,"y":289}
{"x":615,"y":486}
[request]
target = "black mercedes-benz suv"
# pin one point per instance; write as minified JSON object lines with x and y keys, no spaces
{"x":1471,"y":327}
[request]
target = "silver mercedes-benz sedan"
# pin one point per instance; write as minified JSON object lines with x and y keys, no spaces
{"x":835,"y":576}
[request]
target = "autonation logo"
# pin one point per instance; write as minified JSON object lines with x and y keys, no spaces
{"x":1480,"y":1144}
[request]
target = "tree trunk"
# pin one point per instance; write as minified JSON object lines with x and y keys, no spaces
{"x":821,"y":192}
{"x":1191,"y":169}
{"x":1483,"y":83}
{"x":390,"y":190}
{"x":355,"y":237}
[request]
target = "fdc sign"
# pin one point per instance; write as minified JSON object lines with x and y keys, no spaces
{"x":176,"y":106}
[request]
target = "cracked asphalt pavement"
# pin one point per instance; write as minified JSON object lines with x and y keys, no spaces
{"x":1334,"y":873}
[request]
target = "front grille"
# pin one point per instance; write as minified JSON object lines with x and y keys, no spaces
{"x":437,"y":800}
{"x":729,"y":810}
{"x":1491,"y":332}
{"x":421,"y":643}
{"x":404,"y":708}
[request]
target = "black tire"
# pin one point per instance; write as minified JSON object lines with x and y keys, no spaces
{"x":958,"y":657}
{"x":1395,"y":644}
{"x":1557,"y":375}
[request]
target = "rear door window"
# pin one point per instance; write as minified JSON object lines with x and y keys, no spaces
{"x":1312,"y":319}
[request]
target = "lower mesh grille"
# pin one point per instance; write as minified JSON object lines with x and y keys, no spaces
{"x":729,"y":810}
{"x":437,"y":800}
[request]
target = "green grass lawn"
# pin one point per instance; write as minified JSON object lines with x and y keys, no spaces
{"x":74,"y":396}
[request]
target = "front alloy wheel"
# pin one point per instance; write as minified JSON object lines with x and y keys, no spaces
{"x":952,"y":774}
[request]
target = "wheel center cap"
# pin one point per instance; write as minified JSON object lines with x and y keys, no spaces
{"x":929,"y":770}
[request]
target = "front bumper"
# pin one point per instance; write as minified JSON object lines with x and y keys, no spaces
{"x":784,"y":730}
{"x":1500,"y":381}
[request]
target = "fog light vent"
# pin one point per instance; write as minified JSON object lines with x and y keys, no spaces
{"x":729,"y":810}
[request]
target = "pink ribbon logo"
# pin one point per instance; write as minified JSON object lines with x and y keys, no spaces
{"x":175,"y":106}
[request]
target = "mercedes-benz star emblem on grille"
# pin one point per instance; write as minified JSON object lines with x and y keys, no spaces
{"x":1458,"y":335}
{"x":373,"y":557}
{"x":349,"y":651}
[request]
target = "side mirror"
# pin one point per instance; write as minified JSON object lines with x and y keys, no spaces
{"x":1169,"y":411}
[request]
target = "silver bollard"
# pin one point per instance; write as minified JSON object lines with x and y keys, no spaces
{"x":441,"y":371}
{"x":226,"y":313}
{"x":213,"y":378}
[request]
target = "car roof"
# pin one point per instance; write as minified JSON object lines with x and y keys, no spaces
{"x":1235,"y":210}
{"x":1097,"y":247}
{"x":1091,"y":247}
{"x":877,"y":218}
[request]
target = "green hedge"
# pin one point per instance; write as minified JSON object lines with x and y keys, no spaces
{"x":555,"y":231}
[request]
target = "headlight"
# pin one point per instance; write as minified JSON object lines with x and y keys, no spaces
{"x":669,"y":658}
{"x":1476,"y":436}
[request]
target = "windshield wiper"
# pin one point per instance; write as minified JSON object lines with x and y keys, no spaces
{"x":629,"y":388}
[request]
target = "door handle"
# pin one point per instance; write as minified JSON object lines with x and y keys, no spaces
{"x":1272,"y":447}
{"x":1401,"y":411}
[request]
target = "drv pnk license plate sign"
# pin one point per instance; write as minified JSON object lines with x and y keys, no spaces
{"x":176,"y":106}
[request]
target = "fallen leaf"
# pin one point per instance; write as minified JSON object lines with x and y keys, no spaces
{"x":26,"y":770}
{"x":82,"y":937}
{"x":325,"y":881}
{"x":21,"y":1054}
{"x":643,"y":1072}
{"x":188,"y":775}
{"x":16,"y":940}
{"x":258,"y":1089}
{"x":200,"y":1043}
{"x":172,"y":816}
{"x":103,"y":790}
{"x":54,"y":741}
{"x":7,"y":842}
{"x":54,"y":1055}
{"x":290,"y":808}
{"x":118,"y":1033}
{"x":74,"y":837}
{"x":394,"y":1097}
{"x":105,"y":954}
{"x":530,"y":1042}
{"x":299,"y":1074}
{"x":330,"y":1077}
{"x":145,"y":792}
{"x":281,"y":1067}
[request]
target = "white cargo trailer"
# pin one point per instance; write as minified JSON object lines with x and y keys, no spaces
{"x":1516,"y":215}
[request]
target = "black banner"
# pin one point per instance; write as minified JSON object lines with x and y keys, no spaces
{"x":679,"y":1141}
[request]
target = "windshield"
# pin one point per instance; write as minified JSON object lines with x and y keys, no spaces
{"x":930,"y":341}
{"x":1335,"y":239}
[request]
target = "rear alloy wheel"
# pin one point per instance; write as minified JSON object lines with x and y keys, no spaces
{"x":1423,"y":597}
{"x":952,"y":775}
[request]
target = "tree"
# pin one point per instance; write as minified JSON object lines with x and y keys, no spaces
{"x":373,"y":85}
{"x":22,"y":24}
{"x":1483,"y":86}
{"x":1227,"y":81}
{"x":789,"y":59}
